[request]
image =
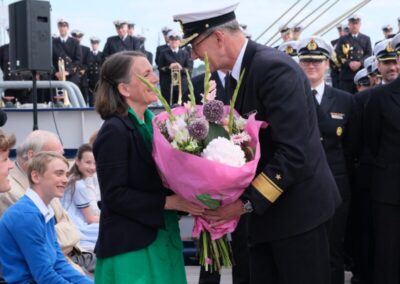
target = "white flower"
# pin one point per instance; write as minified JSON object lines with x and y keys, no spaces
{"x":177,"y":126}
{"x":225,"y":152}
{"x":240,"y":138}
{"x":240,"y":122}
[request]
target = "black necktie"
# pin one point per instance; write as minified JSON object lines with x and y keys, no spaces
{"x":314,"y":94}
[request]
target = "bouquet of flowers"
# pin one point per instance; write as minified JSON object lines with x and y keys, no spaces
{"x":208,"y":154}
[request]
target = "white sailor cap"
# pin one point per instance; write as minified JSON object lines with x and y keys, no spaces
{"x":384,"y":50}
{"x":315,"y":48}
{"x":368,"y":62}
{"x":77,"y":33}
{"x":361,"y":78}
{"x":396,"y":43}
{"x":195,"y":23}
{"x":284,"y":29}
{"x":387,"y":28}
{"x":354,"y":18}
{"x":165,"y":30}
{"x":94,"y":39}
{"x":374,"y":68}
{"x":341,"y":27}
{"x":297,"y":28}
{"x":174,"y":35}
{"x":62,"y":22}
{"x":119,"y":23}
{"x":289,"y":47}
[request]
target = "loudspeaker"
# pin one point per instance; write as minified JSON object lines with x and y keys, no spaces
{"x":30,"y":36}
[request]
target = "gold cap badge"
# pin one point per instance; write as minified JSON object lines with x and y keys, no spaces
{"x":312,"y":45}
{"x":289,"y":49}
{"x":389,"y":47}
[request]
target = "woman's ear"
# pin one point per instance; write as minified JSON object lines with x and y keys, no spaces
{"x":123,"y":89}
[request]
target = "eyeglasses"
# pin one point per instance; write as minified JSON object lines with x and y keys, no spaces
{"x":196,"y":45}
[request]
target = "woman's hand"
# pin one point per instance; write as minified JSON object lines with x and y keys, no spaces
{"x":175,"y":202}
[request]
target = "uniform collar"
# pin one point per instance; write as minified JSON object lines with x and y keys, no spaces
{"x":238,"y":64}
{"x":46,"y":210}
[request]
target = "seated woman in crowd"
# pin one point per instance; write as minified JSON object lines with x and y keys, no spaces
{"x":80,"y":198}
{"x":139,"y":240}
{"x":6,"y":143}
{"x":29,"y":251}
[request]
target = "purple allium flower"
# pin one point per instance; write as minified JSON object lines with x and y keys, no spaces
{"x":213,"y":110}
{"x":198,"y":129}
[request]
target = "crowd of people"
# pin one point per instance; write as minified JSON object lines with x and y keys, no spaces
{"x":325,"y":197}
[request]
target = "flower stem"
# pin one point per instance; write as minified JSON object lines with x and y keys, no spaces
{"x":233,"y":101}
{"x":159,"y":96}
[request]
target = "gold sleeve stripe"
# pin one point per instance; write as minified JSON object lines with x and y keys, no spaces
{"x":267,"y":187}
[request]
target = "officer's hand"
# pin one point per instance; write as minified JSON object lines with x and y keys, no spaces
{"x":175,"y":65}
{"x":354,"y":65}
{"x":224,"y":213}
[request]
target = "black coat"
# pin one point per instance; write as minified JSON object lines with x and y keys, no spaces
{"x":166,"y":58}
{"x":94,"y":65}
{"x":292,"y":161}
{"x":198,"y":87}
{"x":382,"y":126}
{"x":71,"y":52}
{"x":132,"y":194}
{"x":159,"y":50}
{"x":359,"y":50}
{"x":363,"y":160}
{"x":334,"y":114}
{"x":115,"y":44}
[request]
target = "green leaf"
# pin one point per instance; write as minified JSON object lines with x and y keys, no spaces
{"x":191,"y":90}
{"x":214,"y":131}
{"x":233,"y":101}
{"x":207,"y":75}
{"x":208,"y":201}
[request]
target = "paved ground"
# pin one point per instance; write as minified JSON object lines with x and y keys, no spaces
{"x":192,"y":273}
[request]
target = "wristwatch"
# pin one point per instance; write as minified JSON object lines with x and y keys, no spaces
{"x":248,"y":207}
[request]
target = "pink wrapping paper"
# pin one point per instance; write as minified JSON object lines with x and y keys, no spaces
{"x":190,"y":175}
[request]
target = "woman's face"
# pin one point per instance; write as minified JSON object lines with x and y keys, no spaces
{"x":5,"y":166}
{"x":86,"y":165}
{"x":136,"y":92}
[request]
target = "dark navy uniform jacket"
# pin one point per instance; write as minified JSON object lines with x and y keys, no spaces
{"x":334,"y":115}
{"x":115,"y":44}
{"x":71,"y":52}
{"x":294,"y":190}
{"x":382,"y":126}
{"x":352,"y":49}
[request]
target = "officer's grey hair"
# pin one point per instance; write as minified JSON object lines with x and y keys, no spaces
{"x":34,"y":142}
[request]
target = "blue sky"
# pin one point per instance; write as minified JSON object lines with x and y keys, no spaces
{"x":95,"y":17}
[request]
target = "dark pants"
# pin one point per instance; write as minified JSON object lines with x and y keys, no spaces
{"x":386,"y":220}
{"x":365,"y":256}
{"x":301,"y":259}
{"x":337,"y":228}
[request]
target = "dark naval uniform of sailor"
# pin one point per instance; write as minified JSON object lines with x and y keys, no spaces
{"x":116,"y":44}
{"x":70,"y":51}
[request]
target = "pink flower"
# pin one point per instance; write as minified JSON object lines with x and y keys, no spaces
{"x":240,"y":138}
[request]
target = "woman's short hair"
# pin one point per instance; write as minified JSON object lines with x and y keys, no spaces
{"x":7,"y":141}
{"x":115,"y":70}
{"x":40,"y":161}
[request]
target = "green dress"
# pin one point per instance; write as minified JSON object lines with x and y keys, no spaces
{"x":159,"y":263}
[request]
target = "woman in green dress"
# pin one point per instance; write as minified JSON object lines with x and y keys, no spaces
{"x":139,"y":240}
